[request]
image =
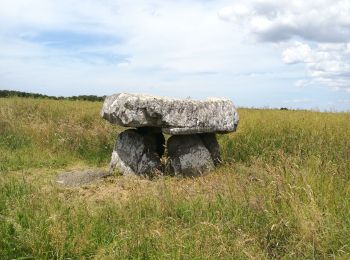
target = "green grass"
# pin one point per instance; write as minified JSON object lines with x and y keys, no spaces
{"x":282,"y":192}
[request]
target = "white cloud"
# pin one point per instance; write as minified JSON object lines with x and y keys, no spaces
{"x":319,"y":33}
{"x":277,"y":20}
{"x":300,"y":52}
{"x":327,"y":64}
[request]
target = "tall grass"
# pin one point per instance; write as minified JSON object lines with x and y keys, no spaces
{"x":282,"y":192}
{"x":45,"y":133}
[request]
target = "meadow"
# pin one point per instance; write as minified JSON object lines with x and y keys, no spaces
{"x":282,"y":191}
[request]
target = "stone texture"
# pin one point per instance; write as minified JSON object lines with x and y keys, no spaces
{"x":80,"y":178}
{"x":188,"y":156}
{"x":173,"y":116}
{"x":211,"y":143}
{"x":138,"y":152}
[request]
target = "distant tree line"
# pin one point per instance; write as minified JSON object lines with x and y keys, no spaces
{"x":12,"y":93}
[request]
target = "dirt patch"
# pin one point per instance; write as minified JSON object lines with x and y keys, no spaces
{"x":80,"y":178}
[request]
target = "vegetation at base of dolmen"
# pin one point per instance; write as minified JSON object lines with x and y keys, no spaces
{"x":282,"y":190}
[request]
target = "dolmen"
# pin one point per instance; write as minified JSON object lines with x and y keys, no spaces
{"x":192,"y":148}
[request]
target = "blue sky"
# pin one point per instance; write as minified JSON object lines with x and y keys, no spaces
{"x":258,"y":53}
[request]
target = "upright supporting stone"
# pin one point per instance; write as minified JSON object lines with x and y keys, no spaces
{"x":137,"y":152}
{"x":211,"y":143}
{"x":188,"y":156}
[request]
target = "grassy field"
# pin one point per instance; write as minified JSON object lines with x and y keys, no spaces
{"x":283,"y":190}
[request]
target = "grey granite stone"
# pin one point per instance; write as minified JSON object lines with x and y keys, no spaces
{"x":173,"y":116}
{"x":137,"y":152}
{"x":188,"y":156}
{"x":80,"y":178}
{"x":211,"y":143}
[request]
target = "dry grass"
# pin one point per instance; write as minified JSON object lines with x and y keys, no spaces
{"x":282,"y":192}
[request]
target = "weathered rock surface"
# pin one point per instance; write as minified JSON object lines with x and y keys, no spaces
{"x":173,"y":116}
{"x":188,"y":155}
{"x":80,"y":178}
{"x":211,"y":143}
{"x":138,"y":152}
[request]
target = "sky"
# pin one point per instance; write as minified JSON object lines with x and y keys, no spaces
{"x":272,"y":54}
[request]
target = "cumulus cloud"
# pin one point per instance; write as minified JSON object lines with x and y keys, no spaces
{"x":327,"y":64}
{"x":317,"y":33}
{"x":272,"y":20}
{"x":300,"y":52}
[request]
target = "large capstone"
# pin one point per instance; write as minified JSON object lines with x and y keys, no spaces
{"x":188,"y":155}
{"x":138,"y":151}
{"x":173,"y":116}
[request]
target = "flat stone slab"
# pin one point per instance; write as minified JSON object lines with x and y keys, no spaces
{"x":173,"y":116}
{"x":80,"y":178}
